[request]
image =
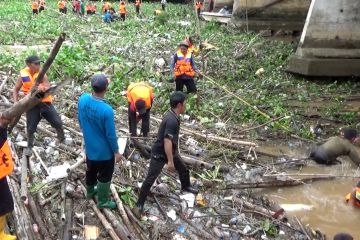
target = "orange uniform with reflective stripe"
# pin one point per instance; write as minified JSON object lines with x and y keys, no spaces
{"x":61,"y":4}
{"x":122,"y":9}
{"x":350,"y":198}
{"x":106,"y":6}
{"x":137,"y":3}
{"x":93,"y":8}
{"x":35,"y":5}
{"x":140,"y":91}
{"x":198,"y":5}
{"x":6,"y":161}
{"x":183,"y":65}
{"x":28,"y":81}
{"x":88,"y":8}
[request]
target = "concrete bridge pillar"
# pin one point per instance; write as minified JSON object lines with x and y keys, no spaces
{"x":270,"y":14}
{"x":330,"y":42}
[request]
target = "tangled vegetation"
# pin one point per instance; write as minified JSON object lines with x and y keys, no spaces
{"x":130,"y":49}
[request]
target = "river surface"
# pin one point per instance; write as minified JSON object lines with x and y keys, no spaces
{"x":323,"y":202}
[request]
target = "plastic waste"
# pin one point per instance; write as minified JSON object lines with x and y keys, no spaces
{"x":200,"y":200}
{"x":189,"y":198}
{"x":171,"y":214}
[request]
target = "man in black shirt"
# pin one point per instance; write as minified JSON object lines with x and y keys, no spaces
{"x":164,"y":151}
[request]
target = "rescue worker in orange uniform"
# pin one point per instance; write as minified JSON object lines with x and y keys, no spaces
{"x":198,"y":7}
{"x":88,"y":9}
{"x":45,"y":109}
{"x":6,"y":168}
{"x":140,"y":97}
{"x":137,"y":6}
{"x":122,"y":10}
{"x":35,"y":7}
{"x":354,"y":196}
{"x":183,"y":69}
{"x":105,"y":7}
{"x":62,"y":6}
{"x":93,"y":8}
{"x":42,"y":5}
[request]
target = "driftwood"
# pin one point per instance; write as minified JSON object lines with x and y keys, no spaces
{"x":109,"y":229}
{"x":24,"y":176}
{"x":75,"y":165}
{"x":37,"y":217}
{"x":254,"y":207}
{"x":276,"y":183}
{"x":68,"y":224}
{"x":50,"y":60}
{"x":199,"y":231}
{"x":22,"y":215}
{"x":201,"y":164}
{"x":118,"y":228}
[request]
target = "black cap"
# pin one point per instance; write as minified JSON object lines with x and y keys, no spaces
{"x":32,"y":59}
{"x":140,"y":106}
{"x":99,"y":82}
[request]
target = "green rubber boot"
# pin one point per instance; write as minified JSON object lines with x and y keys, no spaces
{"x":103,"y":190}
{"x":91,"y":191}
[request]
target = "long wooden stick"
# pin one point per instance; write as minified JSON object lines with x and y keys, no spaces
{"x":68,"y":223}
{"x":118,"y":228}
{"x":24,"y":176}
{"x":201,"y":164}
{"x":36,"y":215}
{"x":50,"y":60}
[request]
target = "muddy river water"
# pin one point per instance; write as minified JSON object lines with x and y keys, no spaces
{"x":322,"y":204}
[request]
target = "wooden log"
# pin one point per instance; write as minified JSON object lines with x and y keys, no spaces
{"x":49,"y":60}
{"x":75,"y":165}
{"x":134,"y":219}
{"x":121,"y":209}
{"x":38,"y":218}
{"x":104,"y":221}
{"x":141,"y":148}
{"x":251,"y":206}
{"x":68,"y":223}
{"x":24,"y":218}
{"x":197,"y":230}
{"x":20,"y":227}
{"x":277,"y":183}
{"x":118,"y":228}
{"x":201,"y":164}
{"x":24,"y":176}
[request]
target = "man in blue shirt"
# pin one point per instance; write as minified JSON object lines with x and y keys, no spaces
{"x":96,"y":118}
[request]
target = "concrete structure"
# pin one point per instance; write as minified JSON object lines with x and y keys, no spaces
{"x":330,"y":42}
{"x":271,"y":14}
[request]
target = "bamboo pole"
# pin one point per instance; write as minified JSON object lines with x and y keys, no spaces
{"x":201,"y":164}
{"x":68,"y":224}
{"x":118,"y":228}
{"x":24,"y":176}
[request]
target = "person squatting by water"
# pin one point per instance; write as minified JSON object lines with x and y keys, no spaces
{"x":337,"y":146}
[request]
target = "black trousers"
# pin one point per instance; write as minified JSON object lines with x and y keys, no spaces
{"x":188,"y":82}
{"x":156,"y":165}
{"x":198,"y":12}
{"x":137,"y":10}
{"x":122,"y":16}
{"x":6,"y":200}
{"x":145,"y":122}
{"x":42,"y":110}
{"x":163,"y":7}
{"x":41,"y":9}
{"x":35,"y":11}
{"x":63,"y":10}
{"x":101,"y":171}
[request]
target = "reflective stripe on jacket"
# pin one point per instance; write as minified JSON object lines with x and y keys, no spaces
{"x":28,"y":81}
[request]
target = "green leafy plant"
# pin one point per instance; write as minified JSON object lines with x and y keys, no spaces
{"x":211,"y":175}
{"x":269,"y":228}
{"x":127,"y":196}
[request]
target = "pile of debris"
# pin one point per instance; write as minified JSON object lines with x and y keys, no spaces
{"x":48,"y":187}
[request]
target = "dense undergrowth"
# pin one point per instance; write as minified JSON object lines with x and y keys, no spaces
{"x":131,"y":47}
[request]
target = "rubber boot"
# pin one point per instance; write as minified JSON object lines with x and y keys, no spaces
{"x":3,"y":235}
{"x":60,"y":135}
{"x":30,"y":144}
{"x":103,"y":190}
{"x":91,"y":191}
